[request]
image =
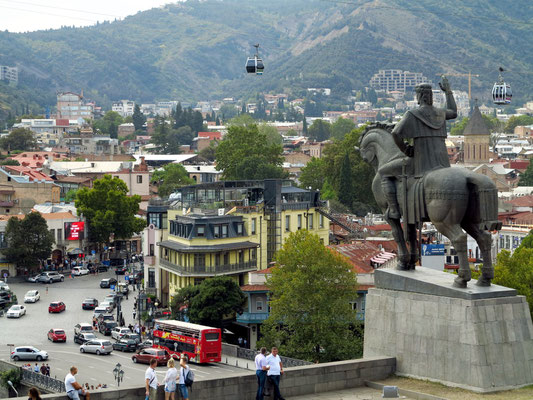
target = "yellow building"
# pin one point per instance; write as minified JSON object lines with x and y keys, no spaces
{"x":231,"y":228}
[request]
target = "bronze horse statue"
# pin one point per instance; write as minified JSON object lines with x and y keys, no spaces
{"x":454,"y":199}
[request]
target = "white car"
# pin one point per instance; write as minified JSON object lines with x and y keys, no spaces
{"x":78,"y":271}
{"x":118,"y":332}
{"x":16,"y":311}
{"x":32,"y":296}
{"x":3,"y":286}
{"x":108,"y":305}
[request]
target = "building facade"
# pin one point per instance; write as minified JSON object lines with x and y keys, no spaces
{"x":397,"y":80}
{"x":124,"y":107}
{"x":71,"y":106}
{"x":9,"y":74}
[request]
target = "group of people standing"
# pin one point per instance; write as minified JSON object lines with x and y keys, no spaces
{"x":173,"y":379}
{"x":268,"y":368}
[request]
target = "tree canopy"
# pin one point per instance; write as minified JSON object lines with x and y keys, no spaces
{"x":320,"y":130}
{"x":138,"y":118}
{"x":341,"y":127}
{"x":18,"y":139}
{"x":519,"y":120}
{"x":213,"y":303}
{"x":171,"y":177}
{"x":108,"y":124}
{"x":109,"y":210}
{"x":526,"y":178}
{"x":311,"y":317}
{"x":29,"y":241}
{"x":246,"y":154}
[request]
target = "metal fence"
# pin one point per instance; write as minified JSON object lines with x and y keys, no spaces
{"x":287,"y":361}
{"x":43,"y":381}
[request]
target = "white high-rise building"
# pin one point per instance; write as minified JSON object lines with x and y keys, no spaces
{"x":10,"y":74}
{"x":390,"y":80}
{"x":124,"y":107}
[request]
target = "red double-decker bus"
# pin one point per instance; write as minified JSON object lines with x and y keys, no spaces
{"x":202,"y":344}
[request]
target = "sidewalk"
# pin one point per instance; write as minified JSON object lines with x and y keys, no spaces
{"x":360,"y":393}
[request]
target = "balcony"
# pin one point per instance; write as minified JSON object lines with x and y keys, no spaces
{"x":252,"y":318}
{"x":195,"y":270}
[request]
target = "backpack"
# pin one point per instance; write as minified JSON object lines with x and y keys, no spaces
{"x":189,"y":378}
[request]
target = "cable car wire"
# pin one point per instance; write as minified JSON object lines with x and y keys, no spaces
{"x":61,"y":8}
{"x":52,"y":14}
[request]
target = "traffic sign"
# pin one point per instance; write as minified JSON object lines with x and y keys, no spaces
{"x":112,"y":287}
{"x":93,"y":252}
{"x":5,"y":274}
{"x":126,"y":278}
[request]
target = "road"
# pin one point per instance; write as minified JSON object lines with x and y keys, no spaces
{"x":31,"y":329}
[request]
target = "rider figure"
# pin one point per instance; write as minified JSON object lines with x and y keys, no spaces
{"x":426,"y":125}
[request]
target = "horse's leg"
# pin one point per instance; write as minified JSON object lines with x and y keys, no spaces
{"x":458,"y":239}
{"x":413,"y":246}
{"x":403,"y":253}
{"x":484,"y":241}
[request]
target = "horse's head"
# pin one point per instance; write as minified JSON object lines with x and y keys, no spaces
{"x":376,"y":145}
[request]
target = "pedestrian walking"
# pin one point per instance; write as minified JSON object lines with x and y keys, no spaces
{"x":184,"y":371}
{"x":261,"y":369}
{"x":150,"y":379}
{"x":47,"y":370}
{"x":275,"y":371}
{"x":245,"y":342}
{"x":170,"y":380}
{"x":239,"y":340}
{"x":73,"y":388}
{"x":43,"y":369}
{"x":36,"y":368}
{"x":34,"y":394}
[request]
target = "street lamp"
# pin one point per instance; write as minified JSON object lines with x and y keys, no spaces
{"x":119,"y":373}
{"x":13,"y":387}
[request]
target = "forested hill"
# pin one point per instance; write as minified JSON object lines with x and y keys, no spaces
{"x":197,"y":50}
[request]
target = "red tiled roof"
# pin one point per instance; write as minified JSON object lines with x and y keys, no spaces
{"x":386,"y":244}
{"x":264,"y":271}
{"x":518,"y":164}
{"x":524,"y":217}
{"x":254,"y":288}
{"x":382,"y":227}
{"x":522,"y":201}
{"x":210,"y":135}
{"x":33,"y":174}
{"x":359,"y":255}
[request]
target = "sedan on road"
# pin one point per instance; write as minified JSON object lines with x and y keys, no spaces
{"x":4,"y":286}
{"x":105,"y":327}
{"x":121,"y":270}
{"x":50,"y":277}
{"x":118,"y":332}
{"x":57,"y":335}
{"x":89,"y":304}
{"x":84,"y":337}
{"x":57,"y":307}
{"x":32,"y":296}
{"x":16,"y":311}
{"x":28,"y":353}
{"x":102,"y":268}
{"x":133,"y":336}
{"x":145,"y":355}
{"x":125,"y":345}
{"x":97,"y":346}
{"x":78,"y":271}
{"x":107,"y":283}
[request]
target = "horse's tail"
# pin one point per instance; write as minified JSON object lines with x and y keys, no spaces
{"x":483,"y":201}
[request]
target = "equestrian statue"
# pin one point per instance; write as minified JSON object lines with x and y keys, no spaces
{"x":415,"y":183}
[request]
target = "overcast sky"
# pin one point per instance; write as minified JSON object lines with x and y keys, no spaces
{"x":33,"y":15}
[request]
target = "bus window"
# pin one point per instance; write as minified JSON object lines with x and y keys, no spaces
{"x":211,"y":336}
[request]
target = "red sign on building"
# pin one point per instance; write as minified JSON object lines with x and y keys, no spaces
{"x":74,"y":230}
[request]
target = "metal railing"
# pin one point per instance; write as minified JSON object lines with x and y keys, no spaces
{"x":43,"y":381}
{"x":250,"y":317}
{"x":195,"y":270}
{"x":249,"y":354}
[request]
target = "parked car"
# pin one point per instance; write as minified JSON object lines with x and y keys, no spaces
{"x":109,"y":305}
{"x":121,"y":270}
{"x":16,"y":311}
{"x":56,"y":307}
{"x":28,"y":353}
{"x":102,"y":268}
{"x":114,"y":262}
{"x":82,"y":327}
{"x":78,"y":271}
{"x":145,"y":355}
{"x":133,"y":336}
{"x":118,"y":332}
{"x":32,"y":296}
{"x":105,"y":327}
{"x":99,"y":310}
{"x":84,"y":337}
{"x":125,"y":345}
{"x":3,"y":303}
{"x":89,"y":304}
{"x":145,"y":344}
{"x":57,"y":335}
{"x":5,"y":295}
{"x":97,"y":346}
{"x":123,"y":288}
{"x":105,"y":317}
{"x":50,"y":277}
{"x":4,"y":286}
{"x":113,"y":297}
{"x":107,"y":283}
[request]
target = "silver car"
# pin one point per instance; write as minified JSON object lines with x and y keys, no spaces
{"x":97,"y":346}
{"x":28,"y":353}
{"x":50,"y":277}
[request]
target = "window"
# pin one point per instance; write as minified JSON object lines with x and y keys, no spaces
{"x":216,"y":231}
{"x":217,"y":259}
{"x":253,"y":227}
{"x":299,"y":221}
{"x":224,"y":231}
{"x":151,"y":277}
{"x":259,"y":305}
{"x":310,"y":220}
{"x":7,"y":210}
{"x":226,"y":258}
{"x":53,"y":232}
{"x":151,"y":249}
{"x":241,"y":256}
{"x":199,"y":260}
{"x":200,"y":230}
{"x":287,"y":223}
{"x":254,"y":254}
{"x":139,"y":179}
{"x":59,"y":237}
{"x":240,"y":229}
{"x":321,"y":221}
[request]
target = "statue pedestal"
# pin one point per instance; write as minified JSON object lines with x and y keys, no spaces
{"x":479,"y":339}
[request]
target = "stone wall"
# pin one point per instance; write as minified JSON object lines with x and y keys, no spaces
{"x":296,"y":381}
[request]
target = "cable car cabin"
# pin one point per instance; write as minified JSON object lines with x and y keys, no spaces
{"x":255,"y":66}
{"x":501,"y":93}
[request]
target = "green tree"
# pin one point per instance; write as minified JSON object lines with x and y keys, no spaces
{"x":271,"y":133}
{"x":18,"y":139}
{"x":341,"y":127}
{"x":71,"y":195}
{"x":526,"y":179}
{"x":242,"y":120}
{"x":245,"y":154}
{"x":213,"y":303}
{"x":493,"y":125}
{"x":346,"y":182}
{"x":29,"y":241}
{"x":228,"y":111}
{"x":109,"y":124}
{"x":319,"y":130}
{"x":519,"y":120}
{"x":109,"y":210}
{"x":209,"y":153}
{"x":9,"y":161}
{"x":138,"y":118}
{"x":312,"y":175}
{"x":169,"y":139}
{"x":171,"y":177}
{"x":292,"y":132}
{"x":311,"y":290}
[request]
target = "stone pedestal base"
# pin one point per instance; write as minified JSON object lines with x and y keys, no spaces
{"x":482,"y":345}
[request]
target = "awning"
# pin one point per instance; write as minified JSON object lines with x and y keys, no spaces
{"x":75,"y":252}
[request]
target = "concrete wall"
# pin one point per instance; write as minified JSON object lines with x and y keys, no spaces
{"x":297,"y":381}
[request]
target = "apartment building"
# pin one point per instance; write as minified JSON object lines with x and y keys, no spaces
{"x":124,"y":107}
{"x":390,"y":80}
{"x":9,"y":74}
{"x":71,"y":106}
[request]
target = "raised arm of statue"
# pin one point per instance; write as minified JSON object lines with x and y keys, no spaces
{"x":451,"y":107}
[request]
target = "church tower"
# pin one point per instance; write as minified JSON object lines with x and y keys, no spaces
{"x":477,"y":139}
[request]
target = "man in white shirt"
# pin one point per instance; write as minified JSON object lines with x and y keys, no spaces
{"x":261,"y":369}
{"x":73,"y":388}
{"x":151,"y":380}
{"x":275,"y":371}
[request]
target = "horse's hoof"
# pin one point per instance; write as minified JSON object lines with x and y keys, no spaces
{"x":402,"y":266}
{"x":484,"y":282}
{"x":411,"y":266}
{"x":459,"y":282}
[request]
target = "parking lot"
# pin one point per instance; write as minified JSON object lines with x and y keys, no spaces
{"x":31,"y":330}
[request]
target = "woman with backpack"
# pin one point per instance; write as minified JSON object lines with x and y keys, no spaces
{"x":185,"y":380}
